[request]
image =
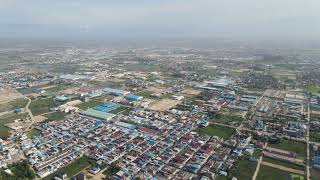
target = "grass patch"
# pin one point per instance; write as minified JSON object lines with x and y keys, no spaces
{"x":314,"y":117}
{"x":215,"y":130}
{"x":269,"y":173}
{"x":315,"y":174}
{"x":119,"y":109}
{"x":40,"y":106}
{"x":111,"y":170}
{"x":313,"y":88}
{"x":145,"y":94}
{"x":20,"y":170}
{"x":90,"y":104}
{"x":73,"y":168}
{"x":27,"y":90}
{"x":284,"y":163}
{"x":55,"y":116}
{"x":57,"y":88}
{"x":33,"y":133}
{"x":315,"y":136}
{"x":244,"y":169}
{"x":21,"y":102}
{"x":294,"y":146}
{"x":224,"y":118}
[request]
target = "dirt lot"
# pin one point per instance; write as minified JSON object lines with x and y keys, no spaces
{"x":154,"y":89}
{"x":163,"y":105}
{"x":191,"y":91}
{"x":8,"y":94}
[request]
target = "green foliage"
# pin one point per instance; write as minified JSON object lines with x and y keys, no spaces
{"x":20,"y":170}
{"x":215,"y":130}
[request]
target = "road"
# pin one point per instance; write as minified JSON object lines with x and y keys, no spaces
{"x":308,"y":145}
{"x":30,"y":114}
{"x":258,"y":165}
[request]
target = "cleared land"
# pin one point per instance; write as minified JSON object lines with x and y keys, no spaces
{"x":9,"y":118}
{"x":8,"y":94}
{"x":215,"y":130}
{"x":163,"y":104}
{"x":191,"y":91}
{"x":294,"y":146}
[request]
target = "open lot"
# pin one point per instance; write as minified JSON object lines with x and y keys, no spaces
{"x":269,"y":173}
{"x":163,"y":104}
{"x":284,"y":163}
{"x":191,"y":91}
{"x":9,"y":106}
{"x":315,"y":174}
{"x":40,"y":106}
{"x":72,"y":169}
{"x":89,"y":104}
{"x":215,"y":130}
{"x":33,"y":132}
{"x":294,"y":146}
{"x":315,"y":136}
{"x":244,"y":169}
{"x":9,"y":118}
{"x":8,"y":94}
{"x":145,"y":94}
{"x":55,"y":116}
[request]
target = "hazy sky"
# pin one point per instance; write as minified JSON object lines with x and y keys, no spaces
{"x":159,"y":18}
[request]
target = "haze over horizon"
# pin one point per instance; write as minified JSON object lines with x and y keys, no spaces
{"x":288,"y":19}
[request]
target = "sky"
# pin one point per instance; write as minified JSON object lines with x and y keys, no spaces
{"x":160,"y":18}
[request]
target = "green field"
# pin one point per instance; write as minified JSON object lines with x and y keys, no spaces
{"x":284,"y":163}
{"x":57,"y":88}
{"x":269,"y":173}
{"x":8,"y":118}
{"x":244,"y":169}
{"x":40,"y":106}
{"x":145,"y":94}
{"x":315,"y":174}
{"x":33,"y":133}
{"x":20,"y":170}
{"x":313,"y":88}
{"x":224,"y":118}
{"x":314,"y":117}
{"x":73,"y":168}
{"x":294,"y":146}
{"x":10,"y":106}
{"x":122,"y":109}
{"x":89,"y":104}
{"x":315,"y":136}
{"x":215,"y":130}
{"x":55,"y":116}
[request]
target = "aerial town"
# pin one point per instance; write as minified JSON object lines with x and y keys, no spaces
{"x":235,"y":113}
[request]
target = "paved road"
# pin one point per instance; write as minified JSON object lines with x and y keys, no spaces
{"x":295,"y":171}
